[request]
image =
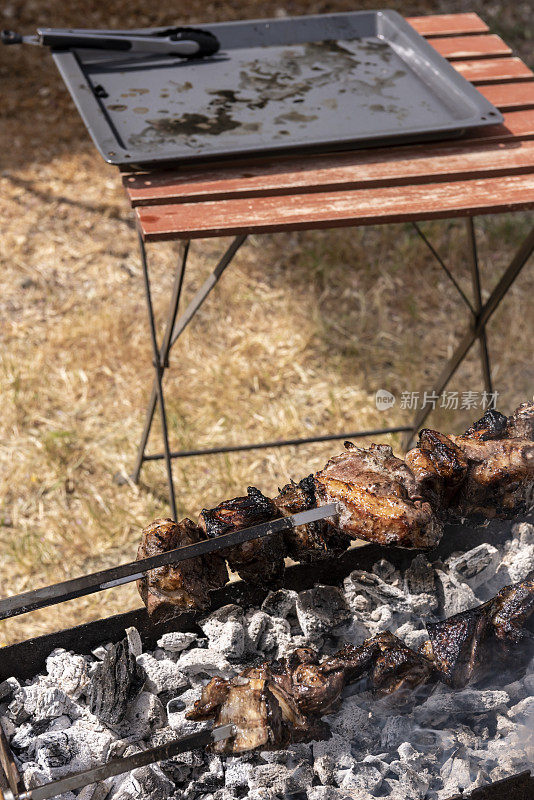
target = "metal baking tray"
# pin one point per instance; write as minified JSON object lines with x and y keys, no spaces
{"x":322,"y":82}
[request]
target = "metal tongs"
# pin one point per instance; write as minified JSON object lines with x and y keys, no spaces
{"x":180,"y":42}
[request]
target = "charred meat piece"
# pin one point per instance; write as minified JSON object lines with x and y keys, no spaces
{"x":180,"y":587}
{"x":456,"y":645}
{"x":315,"y":540}
{"x":521,"y":423}
{"x":492,"y":425}
{"x":500,"y":478}
{"x":259,"y":561}
{"x":264,"y":714}
{"x":397,"y":668}
{"x":511,"y":609}
{"x":439,"y":467}
{"x":378,"y":497}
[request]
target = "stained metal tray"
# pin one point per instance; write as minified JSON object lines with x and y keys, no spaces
{"x":319,"y":82}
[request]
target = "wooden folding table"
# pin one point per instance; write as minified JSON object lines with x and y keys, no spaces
{"x":490,"y":170}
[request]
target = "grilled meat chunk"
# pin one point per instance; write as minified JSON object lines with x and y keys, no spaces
{"x":180,"y":587}
{"x":520,"y":424}
{"x":259,"y":561}
{"x":378,"y":497}
{"x":315,"y":540}
{"x":500,"y":477}
{"x":439,"y":467}
{"x":457,"y":645}
{"x":264,"y":714}
{"x":397,"y":668}
{"x":511,"y":609}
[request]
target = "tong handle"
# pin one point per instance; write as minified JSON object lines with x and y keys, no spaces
{"x":10,"y":37}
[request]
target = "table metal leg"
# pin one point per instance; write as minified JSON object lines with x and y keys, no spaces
{"x":173,"y":331}
{"x":159,"y":373}
{"x":163,"y":359}
{"x":476,"y":329}
{"x":477,"y":301}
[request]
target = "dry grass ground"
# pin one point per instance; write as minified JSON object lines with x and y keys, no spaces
{"x":299,"y":335}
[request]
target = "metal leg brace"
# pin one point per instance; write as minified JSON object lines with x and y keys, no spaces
{"x":480,"y":317}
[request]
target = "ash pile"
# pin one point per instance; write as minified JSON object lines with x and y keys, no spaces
{"x":88,"y":709}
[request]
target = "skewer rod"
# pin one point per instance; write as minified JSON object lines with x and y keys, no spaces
{"x":120,"y":765}
{"x":132,"y":571}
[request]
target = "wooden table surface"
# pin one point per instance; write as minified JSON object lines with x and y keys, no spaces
{"x":488,"y":171}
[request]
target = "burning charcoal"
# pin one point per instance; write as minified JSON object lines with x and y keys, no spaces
{"x":331,"y":755}
{"x":518,"y":560}
{"x":331,"y":793}
{"x":362,"y":775}
{"x":237,"y":773}
{"x":320,"y":609}
{"x":420,"y":577}
{"x":134,"y":641}
{"x":53,"y":750}
{"x":456,"y":774}
{"x":114,"y":683}
{"x":144,"y":715}
{"x":441,"y":706}
{"x":162,"y":675}
{"x":178,"y":587}
{"x":282,"y":603}
{"x":454,"y":596}
{"x":378,"y":497}
{"x":225,"y":632}
{"x":96,"y":791}
{"x":315,"y":540}
{"x":477,"y":567}
{"x":411,"y":636}
{"x":259,"y":561}
{"x":8,"y":688}
{"x":353,"y":723}
{"x":395,"y":731}
{"x":69,"y":671}
{"x":203,"y":661}
{"x":397,"y":668}
{"x":365,"y":591}
{"x":275,"y":638}
{"x":457,"y":644}
{"x":41,"y":701}
{"x":281,"y":779}
{"x":176,"y":641}
{"x":254,"y":626}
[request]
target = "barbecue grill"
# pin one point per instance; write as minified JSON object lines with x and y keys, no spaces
{"x":26,"y":659}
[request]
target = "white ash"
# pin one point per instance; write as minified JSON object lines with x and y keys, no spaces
{"x":442,"y":743}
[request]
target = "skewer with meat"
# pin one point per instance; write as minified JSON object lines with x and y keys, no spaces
{"x":271,"y":705}
{"x":486,"y":472}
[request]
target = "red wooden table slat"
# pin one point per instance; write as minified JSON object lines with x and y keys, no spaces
{"x":510,"y":96}
{"x":494,"y":70}
{"x":331,"y":209}
{"x":483,"y":46}
{"x":361,"y":169}
{"x":447,"y":24}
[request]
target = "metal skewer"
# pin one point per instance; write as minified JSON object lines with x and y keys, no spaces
{"x":132,"y":571}
{"x":120,"y":765}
